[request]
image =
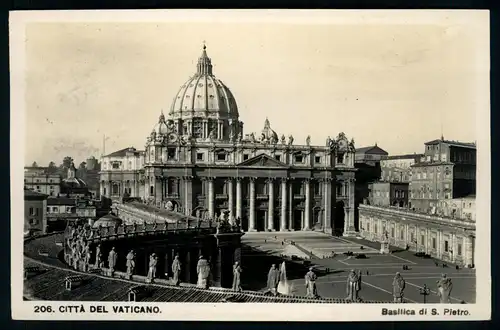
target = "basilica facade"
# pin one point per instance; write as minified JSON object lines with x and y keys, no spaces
{"x":198,"y":161}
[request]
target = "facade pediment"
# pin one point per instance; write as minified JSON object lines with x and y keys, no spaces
{"x":262,"y":160}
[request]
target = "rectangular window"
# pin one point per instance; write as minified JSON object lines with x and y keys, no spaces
{"x":459,"y":249}
{"x":446,"y":247}
{"x":245,"y":156}
{"x":32,"y":211}
{"x":48,"y":209}
{"x":116,"y":166}
{"x":375,"y":228}
{"x":402,"y":234}
{"x":151,"y":190}
{"x":221,"y":156}
{"x":392,"y":233}
{"x":368,"y":226}
{"x":171,"y":153}
{"x":299,"y":158}
{"x":434,"y":242}
{"x":199,"y":156}
{"x":317,"y":159}
{"x":277,"y":157}
{"x":422,"y":239}
{"x":38,"y":187}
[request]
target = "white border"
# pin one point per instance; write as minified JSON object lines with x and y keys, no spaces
{"x":255,"y":312}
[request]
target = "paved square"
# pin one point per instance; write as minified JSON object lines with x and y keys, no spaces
{"x":377,"y":285}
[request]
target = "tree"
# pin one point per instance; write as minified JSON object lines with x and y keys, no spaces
{"x":34,"y":164}
{"x":83,"y":166}
{"x":67,"y":161}
{"x":52,"y":168}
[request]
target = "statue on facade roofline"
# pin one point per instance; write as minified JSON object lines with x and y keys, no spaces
{"x":283,"y":139}
{"x":290,"y":140}
{"x":308,"y":140}
{"x":252,"y":138}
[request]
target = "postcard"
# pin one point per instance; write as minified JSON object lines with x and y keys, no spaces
{"x":256,"y":165}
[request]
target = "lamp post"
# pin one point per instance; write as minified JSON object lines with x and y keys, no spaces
{"x":425,"y":291}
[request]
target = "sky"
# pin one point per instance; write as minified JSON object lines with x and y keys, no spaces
{"x":398,"y":85}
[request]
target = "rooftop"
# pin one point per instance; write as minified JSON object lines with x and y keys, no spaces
{"x":123,"y":152}
{"x":453,"y":143}
{"x":371,"y":149}
{"x":406,"y":156}
{"x":31,"y":194}
{"x":61,"y":201}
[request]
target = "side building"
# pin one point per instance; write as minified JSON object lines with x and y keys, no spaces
{"x":441,"y":237}
{"x":35,"y":204}
{"x":397,"y":168}
{"x":447,"y":172}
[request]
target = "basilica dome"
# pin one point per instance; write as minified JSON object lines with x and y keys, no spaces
{"x":203,"y":94}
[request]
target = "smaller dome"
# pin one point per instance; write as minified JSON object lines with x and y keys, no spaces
{"x":109,"y":220}
{"x":74,"y":183}
{"x":267,"y":133}
{"x":161,"y":127}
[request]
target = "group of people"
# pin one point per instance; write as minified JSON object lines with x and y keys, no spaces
{"x":78,"y":253}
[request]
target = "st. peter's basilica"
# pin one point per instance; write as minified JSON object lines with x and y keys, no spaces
{"x":198,"y":161}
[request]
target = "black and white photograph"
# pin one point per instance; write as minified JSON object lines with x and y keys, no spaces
{"x":250,"y":162}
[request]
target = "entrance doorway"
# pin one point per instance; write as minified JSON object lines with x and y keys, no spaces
{"x":338,"y":220}
{"x":297,"y":219}
{"x":260,"y":220}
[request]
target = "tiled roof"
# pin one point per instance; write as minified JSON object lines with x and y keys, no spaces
{"x":371,"y":149}
{"x":407,"y":156}
{"x":123,"y":152}
{"x":61,"y":201}
{"x":31,"y":194}
{"x":50,"y":285}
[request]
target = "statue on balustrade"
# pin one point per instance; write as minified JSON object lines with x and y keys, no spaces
{"x":155,"y":225}
{"x":98,"y":257}
{"x":353,"y":285}
{"x":130,"y":263}
{"x":310,"y":278}
{"x":176,"y":270}
{"x":273,"y":279}
{"x":86,"y":258}
{"x":153,"y":261}
{"x":203,"y":271}
{"x":444,"y":286}
{"x":237,"y":277}
{"x":134,"y":227}
{"x":398,"y":288}
{"x":112,"y":257}
{"x":290,"y":140}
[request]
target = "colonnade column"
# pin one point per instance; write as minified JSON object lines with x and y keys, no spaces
{"x":238,"y":197}
{"x":251,"y":224}
{"x":211,"y":197}
{"x":307,"y":207}
{"x":349,"y":229}
{"x":270,"y":210}
{"x":283,"y":226}
{"x":290,"y":207}
{"x":469,"y":250}
{"x":230,"y":199}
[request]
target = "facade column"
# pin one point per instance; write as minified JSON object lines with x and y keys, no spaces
{"x":327,"y":205}
{"x":238,"y":198}
{"x":211,"y":197}
{"x":307,"y":208}
{"x":188,"y":195}
{"x":270,"y":210}
{"x":349,"y":229}
{"x":469,"y":251}
{"x":283,"y":226}
{"x":251,"y":222}
{"x":158,"y":189}
{"x":290,"y":207}
{"x":230,"y":199}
